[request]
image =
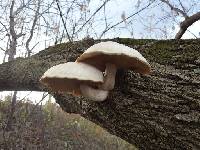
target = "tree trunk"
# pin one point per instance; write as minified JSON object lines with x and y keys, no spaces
{"x":11,"y":117}
{"x":156,"y":111}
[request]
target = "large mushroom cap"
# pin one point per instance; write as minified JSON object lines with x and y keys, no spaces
{"x":67,"y":77}
{"x":114,"y":53}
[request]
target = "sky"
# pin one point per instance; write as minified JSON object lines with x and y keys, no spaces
{"x":114,"y":11}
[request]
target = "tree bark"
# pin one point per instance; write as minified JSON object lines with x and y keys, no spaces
{"x":156,"y":111}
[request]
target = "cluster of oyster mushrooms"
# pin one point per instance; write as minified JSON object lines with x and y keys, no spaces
{"x":93,"y":73}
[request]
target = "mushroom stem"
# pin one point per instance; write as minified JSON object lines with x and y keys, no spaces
{"x":94,"y":94}
{"x":109,"y":78}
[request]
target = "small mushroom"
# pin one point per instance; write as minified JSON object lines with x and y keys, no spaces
{"x":75,"y":78}
{"x":108,"y":56}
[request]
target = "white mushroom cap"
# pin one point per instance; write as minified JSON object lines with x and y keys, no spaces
{"x":110,"y":52}
{"x":68,"y":77}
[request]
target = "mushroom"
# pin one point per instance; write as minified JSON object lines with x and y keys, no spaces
{"x":108,"y":56}
{"x":75,"y":78}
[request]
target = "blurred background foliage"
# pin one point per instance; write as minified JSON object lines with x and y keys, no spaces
{"x":37,"y":126}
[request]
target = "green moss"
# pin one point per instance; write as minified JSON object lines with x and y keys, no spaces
{"x":53,"y":49}
{"x":176,"y":52}
{"x":166,"y":52}
{"x":128,"y":41}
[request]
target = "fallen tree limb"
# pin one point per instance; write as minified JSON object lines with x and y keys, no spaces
{"x":157,"y":111}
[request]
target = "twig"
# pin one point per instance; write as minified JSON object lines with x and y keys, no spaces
{"x":175,"y":9}
{"x":192,"y":34}
{"x":61,"y":15}
{"x":106,"y":30}
{"x":182,"y":6}
{"x":2,"y":49}
{"x":106,"y":1}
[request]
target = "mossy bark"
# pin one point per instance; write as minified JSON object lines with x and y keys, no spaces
{"x":156,"y":111}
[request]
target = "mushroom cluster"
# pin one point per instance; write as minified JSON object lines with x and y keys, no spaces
{"x":85,"y":76}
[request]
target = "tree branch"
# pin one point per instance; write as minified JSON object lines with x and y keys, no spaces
{"x":175,"y":9}
{"x":13,"y":41}
{"x":61,"y":15}
{"x":118,"y":23}
{"x":158,"y":111}
{"x":189,"y":20}
{"x":105,"y":2}
{"x":187,"y":23}
{"x":36,"y":16}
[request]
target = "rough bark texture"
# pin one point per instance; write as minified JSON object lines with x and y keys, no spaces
{"x":157,"y":111}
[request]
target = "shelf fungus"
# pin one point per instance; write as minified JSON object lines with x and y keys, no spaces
{"x":110,"y":56}
{"x":77,"y":79}
{"x":85,"y":76}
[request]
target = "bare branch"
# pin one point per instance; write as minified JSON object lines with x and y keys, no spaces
{"x":32,"y":111}
{"x":20,"y":8}
{"x":13,"y":42}
{"x":61,"y":15}
{"x":32,"y":28}
{"x":192,"y":34}
{"x":106,"y":30}
{"x":184,"y":10}
{"x":19,"y":35}
{"x":4,"y":26}
{"x":174,"y":8}
{"x":105,"y":2}
{"x":2,"y":49}
{"x":186,"y":23}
